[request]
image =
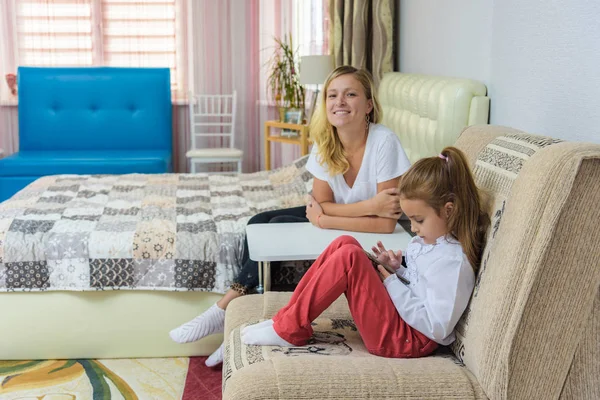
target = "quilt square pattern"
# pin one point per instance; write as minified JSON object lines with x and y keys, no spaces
{"x":27,"y":275}
{"x":138,"y":231}
{"x":111,"y":273}
{"x":71,"y":273}
{"x":194,"y":274}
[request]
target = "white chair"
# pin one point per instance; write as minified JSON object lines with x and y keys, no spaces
{"x":213,"y":116}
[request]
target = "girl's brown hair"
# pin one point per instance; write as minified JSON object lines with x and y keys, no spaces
{"x":448,"y":178}
{"x":325,"y":135}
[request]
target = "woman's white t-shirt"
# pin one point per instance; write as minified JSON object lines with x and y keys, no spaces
{"x":384,"y":159}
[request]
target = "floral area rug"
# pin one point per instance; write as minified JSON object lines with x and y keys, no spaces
{"x":129,"y":379}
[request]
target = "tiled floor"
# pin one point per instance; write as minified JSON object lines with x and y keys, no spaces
{"x":202,"y":382}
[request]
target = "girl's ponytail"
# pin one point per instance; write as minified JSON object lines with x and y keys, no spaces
{"x":448,"y":178}
{"x":469,"y":221}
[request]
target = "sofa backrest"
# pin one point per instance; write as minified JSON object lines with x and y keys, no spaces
{"x":532,"y":306}
{"x":429,"y":112}
{"x":94,"y":109}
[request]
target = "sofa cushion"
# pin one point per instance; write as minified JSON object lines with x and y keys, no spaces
{"x":335,"y":364}
{"x":536,"y":283}
{"x":39,"y":163}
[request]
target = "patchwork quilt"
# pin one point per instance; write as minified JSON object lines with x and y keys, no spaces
{"x":171,"y":232}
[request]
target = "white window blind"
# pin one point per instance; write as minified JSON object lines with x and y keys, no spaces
{"x":55,"y":33}
{"x":120,"y":33}
{"x":141,"y":34}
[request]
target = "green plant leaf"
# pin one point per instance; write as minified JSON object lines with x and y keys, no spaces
{"x":283,"y":80}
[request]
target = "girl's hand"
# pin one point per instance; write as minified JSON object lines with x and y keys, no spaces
{"x":313,"y":210}
{"x":386,"y":204}
{"x":389,"y":257}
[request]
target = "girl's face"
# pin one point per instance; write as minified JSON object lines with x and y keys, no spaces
{"x":424,"y":220}
{"x":347,"y":105}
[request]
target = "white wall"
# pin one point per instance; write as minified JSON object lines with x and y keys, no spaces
{"x":539,"y":58}
{"x":445,"y":37}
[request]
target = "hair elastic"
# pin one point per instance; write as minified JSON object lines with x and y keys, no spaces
{"x":443,"y":157}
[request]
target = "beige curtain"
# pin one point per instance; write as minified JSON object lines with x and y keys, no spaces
{"x":361,"y":34}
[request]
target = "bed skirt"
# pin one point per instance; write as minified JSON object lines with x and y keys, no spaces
{"x":104,"y":324}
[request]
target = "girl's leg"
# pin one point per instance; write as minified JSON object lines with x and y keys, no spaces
{"x":308,"y":276}
{"x":315,"y":267}
{"x":349,"y":271}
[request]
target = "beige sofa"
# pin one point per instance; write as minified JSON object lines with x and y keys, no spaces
{"x":532,"y":329}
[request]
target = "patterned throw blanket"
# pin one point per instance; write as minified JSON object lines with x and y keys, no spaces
{"x":137,"y":232}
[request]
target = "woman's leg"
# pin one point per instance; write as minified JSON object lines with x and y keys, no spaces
{"x":347,"y":270}
{"x":247,"y":279}
{"x":213,"y":320}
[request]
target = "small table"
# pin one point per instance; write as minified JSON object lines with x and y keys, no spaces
{"x":301,"y":139}
{"x":304,"y":241}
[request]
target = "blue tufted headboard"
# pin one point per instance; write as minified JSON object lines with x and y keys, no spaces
{"x":101,"y":108}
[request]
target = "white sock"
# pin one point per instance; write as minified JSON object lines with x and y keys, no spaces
{"x":215,"y":358}
{"x":209,"y":322}
{"x":265,"y":336}
{"x":262,"y":324}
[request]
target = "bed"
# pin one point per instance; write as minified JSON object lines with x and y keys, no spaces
{"x":103,"y":266}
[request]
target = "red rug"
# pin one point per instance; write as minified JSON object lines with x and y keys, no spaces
{"x":202,"y":382}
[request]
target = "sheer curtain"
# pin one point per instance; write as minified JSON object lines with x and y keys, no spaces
{"x":225,"y":58}
{"x":308,"y":22}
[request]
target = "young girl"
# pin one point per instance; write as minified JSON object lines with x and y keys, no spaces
{"x":439,"y":196}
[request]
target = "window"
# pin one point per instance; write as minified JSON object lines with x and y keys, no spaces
{"x":124,"y":33}
{"x":314,"y":15}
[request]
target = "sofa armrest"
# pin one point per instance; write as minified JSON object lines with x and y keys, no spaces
{"x":479,"y":111}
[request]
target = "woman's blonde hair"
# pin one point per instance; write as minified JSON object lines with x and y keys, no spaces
{"x":324,"y":135}
{"x":448,"y":178}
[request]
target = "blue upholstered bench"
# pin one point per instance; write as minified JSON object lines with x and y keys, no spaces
{"x":90,"y":121}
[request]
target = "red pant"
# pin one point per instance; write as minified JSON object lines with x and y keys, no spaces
{"x":344,"y":268}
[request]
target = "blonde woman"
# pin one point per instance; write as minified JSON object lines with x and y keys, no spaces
{"x":356,"y":164}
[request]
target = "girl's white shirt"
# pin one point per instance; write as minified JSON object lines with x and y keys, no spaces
{"x":384,"y":159}
{"x":441,"y":282}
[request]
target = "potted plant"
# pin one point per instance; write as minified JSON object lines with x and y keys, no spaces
{"x":283,"y":80}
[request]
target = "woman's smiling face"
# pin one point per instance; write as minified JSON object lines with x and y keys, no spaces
{"x":347,"y":105}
